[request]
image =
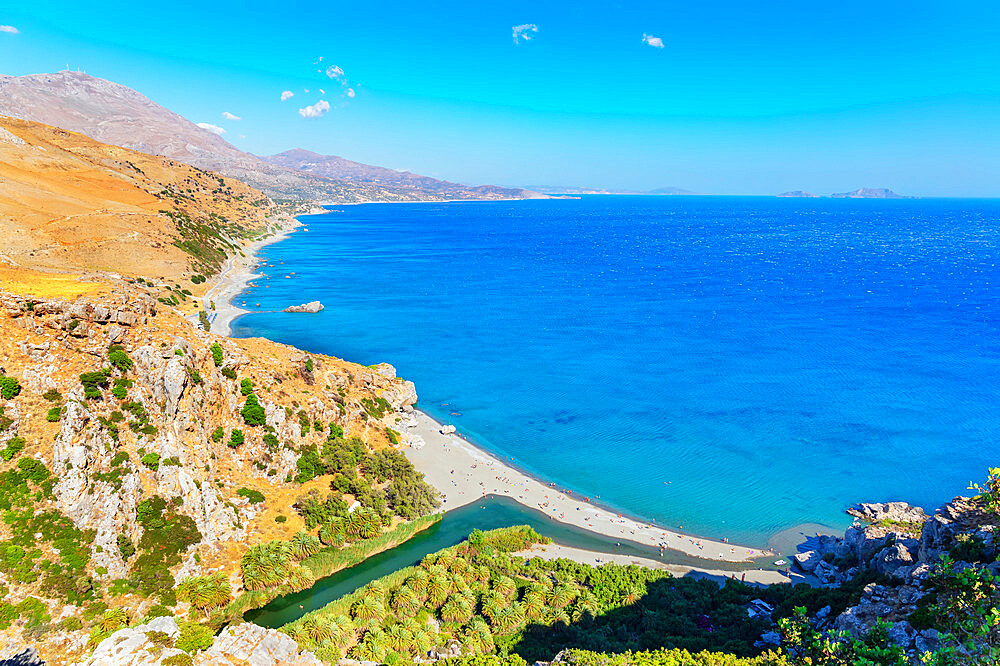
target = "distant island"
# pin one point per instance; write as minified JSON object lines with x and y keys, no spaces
{"x":870,"y":193}
{"x":860,"y":193}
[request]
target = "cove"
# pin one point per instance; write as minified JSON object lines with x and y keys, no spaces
{"x":486,"y":514}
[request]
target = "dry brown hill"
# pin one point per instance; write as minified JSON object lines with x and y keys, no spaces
{"x":68,"y":202}
{"x":115,"y":114}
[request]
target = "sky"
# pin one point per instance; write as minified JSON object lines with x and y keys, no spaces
{"x":712,"y":97}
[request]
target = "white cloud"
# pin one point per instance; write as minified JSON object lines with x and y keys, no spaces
{"x":214,"y":129}
{"x":305,"y":90}
{"x":316,"y":110}
{"x":349,"y":92}
{"x":524,"y":31}
{"x":322,"y":92}
{"x":655,"y":42}
{"x":286,"y":95}
{"x":335,"y":72}
{"x":229,"y":116}
{"x":9,"y":28}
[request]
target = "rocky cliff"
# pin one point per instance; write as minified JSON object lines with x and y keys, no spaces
{"x":122,"y":471}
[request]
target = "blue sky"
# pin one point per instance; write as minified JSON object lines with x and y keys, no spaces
{"x":715,"y":97}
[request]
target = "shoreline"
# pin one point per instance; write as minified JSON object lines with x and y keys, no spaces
{"x":553,"y":551}
{"x":236,"y":274}
{"x":463,"y":473}
{"x":484,"y":472}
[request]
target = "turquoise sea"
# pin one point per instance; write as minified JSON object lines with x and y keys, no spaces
{"x":734,"y":365}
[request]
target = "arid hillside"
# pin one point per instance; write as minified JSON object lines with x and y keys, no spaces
{"x":116,"y":114}
{"x":137,"y":452}
{"x":68,"y":202}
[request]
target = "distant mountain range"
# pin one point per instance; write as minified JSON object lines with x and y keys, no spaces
{"x":551,"y":189}
{"x":860,"y":193}
{"x":115,"y":114}
{"x":388,"y":180}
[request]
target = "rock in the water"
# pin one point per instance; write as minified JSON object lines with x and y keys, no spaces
{"x":807,"y":561}
{"x":312,"y":307}
{"x":447,"y":430}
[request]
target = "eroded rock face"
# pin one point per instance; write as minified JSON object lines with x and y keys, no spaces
{"x":256,"y":646}
{"x":895,"y":511}
{"x":245,"y":644}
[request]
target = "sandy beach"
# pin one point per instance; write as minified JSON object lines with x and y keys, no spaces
{"x":236,"y":273}
{"x":553,"y":551}
{"x":464,"y":473}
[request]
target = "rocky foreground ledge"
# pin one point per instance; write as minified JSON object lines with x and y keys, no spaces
{"x":902,"y":544}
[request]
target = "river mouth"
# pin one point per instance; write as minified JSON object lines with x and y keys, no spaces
{"x":486,"y":514}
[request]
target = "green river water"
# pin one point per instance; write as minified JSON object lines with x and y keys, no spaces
{"x":486,"y":514}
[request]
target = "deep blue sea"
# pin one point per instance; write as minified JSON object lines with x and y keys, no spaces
{"x":735,"y":365}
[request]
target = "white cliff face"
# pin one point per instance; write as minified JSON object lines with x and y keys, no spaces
{"x":244,"y":644}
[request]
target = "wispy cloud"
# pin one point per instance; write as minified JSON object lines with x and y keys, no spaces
{"x":288,"y":94}
{"x":349,"y":92}
{"x":214,"y":129}
{"x":230,"y":116}
{"x":315,"y":110}
{"x":335,"y":72}
{"x":525,"y":32}
{"x":655,"y":42}
{"x":9,"y":28}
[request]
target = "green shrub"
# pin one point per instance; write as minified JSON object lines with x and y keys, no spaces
{"x":119,"y":359}
{"x":253,"y":414}
{"x":178,"y":660}
{"x":255,"y":496}
{"x":52,"y":395}
{"x":53,"y":415}
{"x":125,"y":546}
{"x":271,"y":441}
{"x":194,"y":375}
{"x":218,"y":434}
{"x":194,"y":637}
{"x":93,"y":382}
{"x":309,"y":365}
{"x":235,"y":438}
{"x":280,"y":519}
{"x":14,"y":446}
{"x":9,"y":387}
{"x":216,"y":353}
{"x":71,"y":623}
{"x":229,"y":373}
{"x":151,"y":460}
{"x":246,"y":386}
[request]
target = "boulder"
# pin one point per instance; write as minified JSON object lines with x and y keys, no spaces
{"x":447,"y":430}
{"x":806,"y":561}
{"x":250,"y":644}
{"x":311,"y":307}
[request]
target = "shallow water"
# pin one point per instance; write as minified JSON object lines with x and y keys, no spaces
{"x":733,"y":365}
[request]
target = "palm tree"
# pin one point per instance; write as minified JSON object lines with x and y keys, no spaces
{"x":631,"y":596}
{"x":303,"y":545}
{"x":459,"y":566}
{"x":317,"y":630}
{"x":376,"y":588}
{"x":368,"y":607}
{"x":405,"y":602}
{"x":586,"y":606}
{"x":534,"y":605}
{"x":398,"y":638}
{"x":112,"y":620}
{"x":299,"y":578}
{"x":478,"y":634}
{"x":558,"y":615}
{"x":205,"y":592}
{"x":505,"y":586}
{"x":438,"y":589}
{"x":445,"y":560}
{"x":561,"y":596}
{"x":421,"y":642}
{"x":418,"y":581}
{"x":265,"y":565}
{"x":456,"y":609}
